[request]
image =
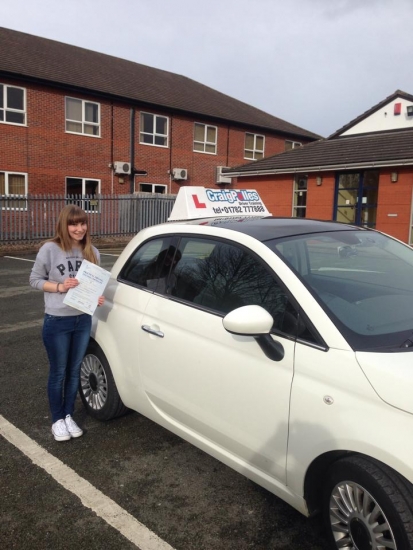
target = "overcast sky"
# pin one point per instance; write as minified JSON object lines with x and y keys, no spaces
{"x":315,"y":63}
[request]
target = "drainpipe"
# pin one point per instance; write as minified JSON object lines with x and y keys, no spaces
{"x":111,"y":148}
{"x":132,"y":150}
{"x":170,"y":157}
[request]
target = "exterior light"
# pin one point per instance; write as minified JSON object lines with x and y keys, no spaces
{"x":394,"y":177}
{"x":319,"y":180}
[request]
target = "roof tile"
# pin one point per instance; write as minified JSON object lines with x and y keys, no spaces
{"x":362,"y":149}
{"x":27,"y":56}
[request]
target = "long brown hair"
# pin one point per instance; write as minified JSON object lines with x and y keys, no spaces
{"x":72,"y":214}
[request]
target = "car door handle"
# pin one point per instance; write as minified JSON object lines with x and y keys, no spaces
{"x":146,"y":328}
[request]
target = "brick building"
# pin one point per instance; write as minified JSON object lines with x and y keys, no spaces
{"x":361,"y":174}
{"x":74,"y":121}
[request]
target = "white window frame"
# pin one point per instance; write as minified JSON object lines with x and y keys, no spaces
{"x":255,"y":149}
{"x":205,"y":142}
{"x":82,"y":201}
{"x":153,"y":187}
{"x":299,"y":191}
{"x":10,"y":196}
{"x":8,"y":109}
{"x":83,"y":122}
{"x":154,"y":134}
{"x":294,"y":144}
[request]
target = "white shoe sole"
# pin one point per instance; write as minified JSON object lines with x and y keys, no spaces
{"x":61,"y":437}
{"x":76,"y":434}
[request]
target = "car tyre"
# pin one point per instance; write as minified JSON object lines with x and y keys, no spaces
{"x":97,"y":386}
{"x":367,"y":506}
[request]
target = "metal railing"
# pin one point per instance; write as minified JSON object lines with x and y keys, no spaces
{"x":34,"y":217}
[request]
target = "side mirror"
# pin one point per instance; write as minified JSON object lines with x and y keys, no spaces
{"x":248,"y":320}
{"x":254,"y":321}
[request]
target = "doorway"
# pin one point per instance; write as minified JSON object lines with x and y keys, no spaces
{"x":356,"y":198}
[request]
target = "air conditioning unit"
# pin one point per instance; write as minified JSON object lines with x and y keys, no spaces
{"x":122,"y":167}
{"x":221,"y":178}
{"x":180,"y":174}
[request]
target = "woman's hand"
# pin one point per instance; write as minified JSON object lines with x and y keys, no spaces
{"x":69,"y":283}
{"x":101,"y":300}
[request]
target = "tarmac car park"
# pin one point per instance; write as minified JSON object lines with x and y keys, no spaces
{"x":280,"y":346}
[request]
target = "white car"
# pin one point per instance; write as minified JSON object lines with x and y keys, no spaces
{"x":283,"y":348}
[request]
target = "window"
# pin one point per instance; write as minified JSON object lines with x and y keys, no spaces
{"x":300,"y":196}
{"x":12,"y":104}
{"x":152,"y":188}
{"x":356,"y":197}
{"x":13,"y":190}
{"x":362,"y":279}
{"x":292,"y":145}
{"x":221,"y":276}
{"x":152,"y":265}
{"x":154,"y":130}
{"x":205,"y":138}
{"x":82,"y":117}
{"x":82,"y":192}
{"x":254,"y":146}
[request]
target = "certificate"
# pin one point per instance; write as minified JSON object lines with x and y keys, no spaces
{"x":92,"y":282}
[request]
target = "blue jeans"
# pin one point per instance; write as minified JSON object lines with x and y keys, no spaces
{"x":65,"y":340}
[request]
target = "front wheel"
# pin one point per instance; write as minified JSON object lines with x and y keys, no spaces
{"x":368,"y":506}
{"x":97,"y":386}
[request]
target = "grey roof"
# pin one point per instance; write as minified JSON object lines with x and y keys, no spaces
{"x":48,"y":61}
{"x":393,"y":148}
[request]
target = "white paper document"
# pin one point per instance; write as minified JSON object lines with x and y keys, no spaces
{"x":92,"y":282}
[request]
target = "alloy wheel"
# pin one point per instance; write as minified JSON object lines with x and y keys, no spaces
{"x":93,"y":382}
{"x":357,"y":520}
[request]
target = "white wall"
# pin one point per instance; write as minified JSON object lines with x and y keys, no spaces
{"x":384,"y":119}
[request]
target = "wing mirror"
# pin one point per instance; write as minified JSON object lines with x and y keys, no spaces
{"x":254,"y":321}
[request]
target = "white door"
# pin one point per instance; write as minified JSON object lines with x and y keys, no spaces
{"x":219,"y":386}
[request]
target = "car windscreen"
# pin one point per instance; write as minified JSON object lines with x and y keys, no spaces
{"x":363,"y":280}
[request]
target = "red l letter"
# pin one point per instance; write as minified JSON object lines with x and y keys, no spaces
{"x":197,"y":203}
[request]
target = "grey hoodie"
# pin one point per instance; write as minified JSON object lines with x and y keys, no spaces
{"x":54,"y":264}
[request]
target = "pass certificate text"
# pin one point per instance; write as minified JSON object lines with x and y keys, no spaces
{"x":92,"y":282}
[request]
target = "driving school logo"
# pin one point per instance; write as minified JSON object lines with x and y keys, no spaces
{"x":231,"y":196}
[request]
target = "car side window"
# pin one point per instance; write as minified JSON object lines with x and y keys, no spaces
{"x":151,"y":264}
{"x":221,"y":277}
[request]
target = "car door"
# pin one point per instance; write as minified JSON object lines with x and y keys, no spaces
{"x":201,"y":380}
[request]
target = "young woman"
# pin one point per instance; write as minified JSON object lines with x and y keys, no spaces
{"x":66,"y":330}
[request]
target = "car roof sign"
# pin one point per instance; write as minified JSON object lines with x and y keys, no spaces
{"x":200,"y":202}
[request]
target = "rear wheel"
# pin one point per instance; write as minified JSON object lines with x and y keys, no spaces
{"x":368,"y":506}
{"x":97,"y":386}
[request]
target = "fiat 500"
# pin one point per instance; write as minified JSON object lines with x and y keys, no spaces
{"x":282,"y":347}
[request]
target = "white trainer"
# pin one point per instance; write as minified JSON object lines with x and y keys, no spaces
{"x":72,"y":428}
{"x":60,"y":431}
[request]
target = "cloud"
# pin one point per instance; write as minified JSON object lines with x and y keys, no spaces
{"x":315,"y":63}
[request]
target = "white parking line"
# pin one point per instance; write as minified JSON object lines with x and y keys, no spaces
{"x":23,"y":325}
{"x":90,"y":497}
{"x":22,"y":259}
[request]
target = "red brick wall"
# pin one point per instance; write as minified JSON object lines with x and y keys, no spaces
{"x":48,"y":154}
{"x":394,"y":203}
{"x":276,"y":191}
{"x":320,"y":198}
